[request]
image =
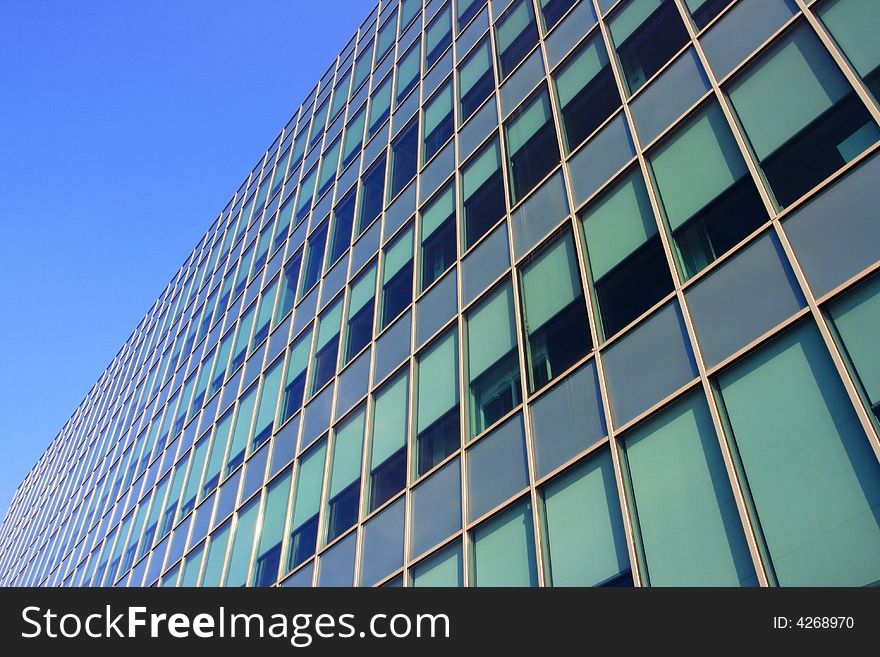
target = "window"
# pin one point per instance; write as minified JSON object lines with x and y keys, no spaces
{"x":709,"y":198}
{"x":408,"y":11}
{"x":812,"y":474}
{"x":382,"y":551}
{"x":466,"y":10}
{"x":627,"y":261}
{"x":689,"y":528}
{"x":326,"y":346}
{"x":554,"y":312}
{"x":493,"y":365}
{"x":306,"y":506}
{"x":380,"y":106}
{"x":314,"y":258}
{"x":290,"y":279}
{"x":585,"y":543}
{"x":306,"y":190}
{"x":240,"y":552}
{"x":442,"y":569}
{"x":646,"y":34}
{"x":268,"y":556}
{"x":388,"y":453}
{"x":283,"y":220}
{"x":372,"y":194}
{"x":703,"y":11}
{"x":857,"y":318}
{"x":266,"y":408}
{"x":241,"y":430}
{"x":318,"y":122}
{"x":345,"y":476}
{"x":216,"y":556}
{"x":438,"y":236}
{"x":328,"y":168}
{"x":354,"y":138}
{"x":586,"y":91}
{"x":803,"y":119}
{"x":387,"y":34}
{"x":215,"y":457}
{"x":359,"y":323}
{"x":437,"y":420}
{"x":295,"y":381}
{"x":340,"y":95}
{"x":337,"y":563}
{"x":552,"y":11}
{"x":404,"y":158}
{"x":343,"y":221}
{"x":497,"y":468}
{"x":397,"y":274}
{"x":482,"y":191}
{"x":504,"y":549}
{"x":438,"y":36}
{"x":264,"y":315}
{"x":531,"y":145}
{"x":438,"y":121}
{"x":476,"y":80}
{"x":515,"y":34}
{"x":362,"y":65}
{"x":850,"y":23}
{"x":242,"y":338}
{"x":408,"y":72}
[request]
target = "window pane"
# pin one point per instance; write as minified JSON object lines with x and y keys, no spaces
{"x":586,"y":91}
{"x":515,"y":34}
{"x":387,"y":34}
{"x":345,"y":476}
{"x":531,"y":145}
{"x":703,"y":11}
{"x":687,"y":517}
{"x":801,"y":116}
{"x":438,"y":36}
{"x":857,"y":318}
{"x":466,"y":10}
{"x":266,"y":408}
{"x":388,"y":454}
{"x":709,"y":198}
{"x":493,"y":365}
{"x":482,"y":190}
{"x":812,"y":475}
{"x":340,"y":95}
{"x":306,"y":504}
{"x":504,"y":549}
{"x":496,"y":467}
{"x":240,"y":555}
{"x":269,"y":542}
{"x":646,"y":33}
{"x":343,"y":220}
{"x":328,"y":168}
{"x":404,"y":158}
{"x":314,"y":258}
{"x":295,"y":381}
{"x":554,"y":312}
{"x":553,"y":10}
{"x":852,"y":24}
{"x":476,"y":80}
{"x":437,"y":420}
{"x":326,"y":346}
{"x":290,"y":279}
{"x":382,"y":552}
{"x":585,"y":541}
{"x":372,"y":195}
{"x":337,"y":563}
{"x":397,"y":277}
{"x":241,"y":430}
{"x":438,"y":121}
{"x":438,"y":236}
{"x":354,"y":138}
{"x":306,"y":190}
{"x":359,"y":324}
{"x":362,"y":65}
{"x":380,"y":106}
{"x":408,"y":72}
{"x":216,"y":556}
{"x":443,"y":568}
{"x":436,"y":508}
{"x":627,"y":262}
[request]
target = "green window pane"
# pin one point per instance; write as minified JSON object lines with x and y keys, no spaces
{"x":398,"y":256}
{"x":690,"y":529}
{"x":408,"y":70}
{"x":389,"y":421}
{"x":218,"y":451}
{"x":240,"y":556}
{"x":438,"y":35}
{"x":347,"y":451}
{"x":216,"y":557}
{"x":437,"y":123}
{"x":475,"y":68}
{"x":362,"y":65}
{"x":306,"y":504}
{"x":443,"y":569}
{"x":306,"y":189}
{"x":328,"y":167}
{"x":585,"y":540}
{"x":268,"y":403}
{"x":192,"y":567}
{"x":294,"y":382}
{"x":437,"y":212}
{"x":380,"y":104}
{"x":340,"y":95}
{"x":853,"y":24}
{"x":241,"y":432}
{"x":264,"y":314}
{"x":550,"y":284}
{"x":328,"y":327}
{"x":619,"y":225}
{"x":631,"y":17}
{"x":438,"y":381}
{"x":580,"y":71}
{"x":188,"y":500}
{"x":271,"y":532}
{"x":857,"y":318}
{"x":387,"y":33}
{"x":362,"y":292}
{"x":354,"y":135}
{"x":696,"y":166}
{"x":515,"y":34}
{"x":527,"y":123}
{"x":504,"y":549}
{"x":814,"y":479}
{"x":787,"y":91}
{"x":318,"y":122}
{"x":480,"y":169}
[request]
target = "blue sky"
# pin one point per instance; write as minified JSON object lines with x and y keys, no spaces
{"x":124,"y":128}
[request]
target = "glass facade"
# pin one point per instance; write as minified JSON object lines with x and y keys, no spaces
{"x":526,"y":292}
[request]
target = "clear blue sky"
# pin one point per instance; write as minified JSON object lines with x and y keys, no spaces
{"x":124,"y":127}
